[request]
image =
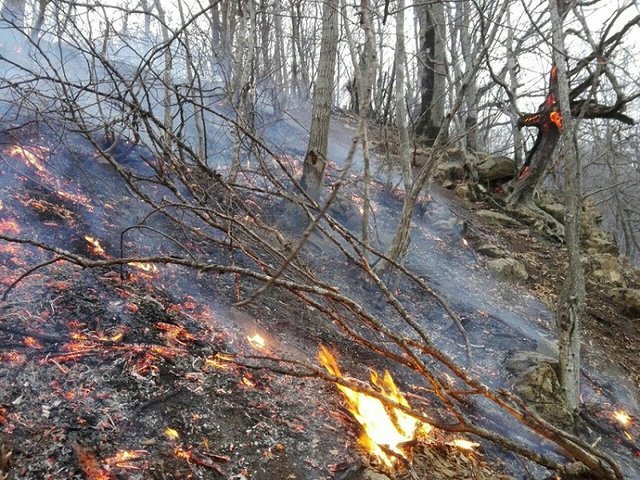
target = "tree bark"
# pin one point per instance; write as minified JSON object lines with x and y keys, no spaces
{"x":316,"y":158}
{"x":572,"y":296}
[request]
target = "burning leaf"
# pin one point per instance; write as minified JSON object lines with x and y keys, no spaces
{"x":382,"y":426}
{"x":171,"y":433}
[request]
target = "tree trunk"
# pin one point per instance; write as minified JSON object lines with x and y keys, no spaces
{"x":572,"y":296}
{"x":471,"y":95}
{"x":316,"y":158}
{"x":431,"y":61}
{"x":401,"y":106}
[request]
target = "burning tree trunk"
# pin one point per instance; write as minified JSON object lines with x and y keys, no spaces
{"x":548,"y":121}
{"x":548,"y":118}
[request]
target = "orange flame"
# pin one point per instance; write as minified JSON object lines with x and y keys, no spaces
{"x":556,"y":118}
{"x":381,"y":425}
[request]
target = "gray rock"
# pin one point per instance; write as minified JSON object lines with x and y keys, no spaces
{"x":491,"y":251}
{"x":495,"y":168}
{"x":629,"y":299}
{"x":497,"y":218}
{"x":539,"y":387}
{"x":508,"y":269}
{"x":519,"y":362}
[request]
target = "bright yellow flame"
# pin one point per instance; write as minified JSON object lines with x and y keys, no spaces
{"x":381,"y":425}
{"x":623,"y":418}
{"x":257,"y":341}
{"x":146,"y":267}
{"x":31,"y":155}
{"x":171,"y":433}
{"x":464,"y":444}
{"x":95,"y":245}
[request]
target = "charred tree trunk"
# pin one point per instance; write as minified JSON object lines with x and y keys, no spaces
{"x":316,"y":158}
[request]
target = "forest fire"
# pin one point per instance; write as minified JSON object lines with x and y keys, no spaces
{"x":384,"y":429}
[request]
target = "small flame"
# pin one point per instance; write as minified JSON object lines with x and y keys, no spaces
{"x":623,"y":418}
{"x":464,"y":444}
{"x":556,"y":118}
{"x":124,"y":457}
{"x":94,"y":245}
{"x":257,"y":341}
{"x":145,"y":267}
{"x":171,"y":433}
{"x":381,"y":425}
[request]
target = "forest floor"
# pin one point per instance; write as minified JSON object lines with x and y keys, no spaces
{"x":109,"y":375}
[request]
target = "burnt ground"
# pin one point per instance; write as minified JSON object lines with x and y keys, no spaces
{"x":125,"y":375}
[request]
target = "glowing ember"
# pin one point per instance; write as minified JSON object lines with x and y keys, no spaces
{"x":33,"y":156}
{"x":32,"y":342}
{"x":382,"y":426}
{"x":9,"y":226}
{"x":257,"y":341}
{"x":623,"y":418}
{"x":464,"y":444}
{"x":171,"y":433}
{"x":94,"y":245}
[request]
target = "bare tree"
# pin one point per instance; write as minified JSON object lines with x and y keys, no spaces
{"x":432,"y":76}
{"x":316,"y":157}
{"x":572,"y":296}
